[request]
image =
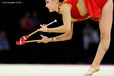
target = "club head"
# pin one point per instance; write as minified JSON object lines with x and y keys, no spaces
{"x":20,"y":42}
{"x":24,"y":38}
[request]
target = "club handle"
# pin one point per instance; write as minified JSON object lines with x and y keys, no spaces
{"x":51,"y":23}
{"x":33,"y":41}
{"x":45,"y":25}
{"x":34,"y":32}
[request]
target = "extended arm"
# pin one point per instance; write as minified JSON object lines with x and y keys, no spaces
{"x":66,"y":16}
{"x":67,"y":28}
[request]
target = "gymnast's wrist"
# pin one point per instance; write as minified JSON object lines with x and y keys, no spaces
{"x":53,"y":39}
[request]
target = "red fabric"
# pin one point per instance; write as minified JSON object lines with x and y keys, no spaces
{"x":93,"y":6}
{"x":74,"y":11}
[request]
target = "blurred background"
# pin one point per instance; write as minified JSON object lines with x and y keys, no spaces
{"x":23,"y":17}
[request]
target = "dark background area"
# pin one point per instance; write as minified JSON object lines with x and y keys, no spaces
{"x":66,"y":52}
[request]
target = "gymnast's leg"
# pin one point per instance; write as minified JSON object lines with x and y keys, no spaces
{"x":105,"y":25}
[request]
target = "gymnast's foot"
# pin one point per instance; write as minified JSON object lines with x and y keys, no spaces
{"x":92,"y":70}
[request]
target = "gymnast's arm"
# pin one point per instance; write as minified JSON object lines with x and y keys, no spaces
{"x":67,"y":28}
{"x":63,"y":37}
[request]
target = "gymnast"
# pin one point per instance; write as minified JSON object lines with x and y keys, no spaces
{"x":79,"y":10}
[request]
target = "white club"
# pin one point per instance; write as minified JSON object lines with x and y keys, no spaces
{"x":51,"y":22}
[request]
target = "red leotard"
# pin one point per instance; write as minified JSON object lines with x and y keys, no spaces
{"x":94,"y":8}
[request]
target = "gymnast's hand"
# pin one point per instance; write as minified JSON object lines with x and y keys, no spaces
{"x":43,"y":28}
{"x":45,"y":39}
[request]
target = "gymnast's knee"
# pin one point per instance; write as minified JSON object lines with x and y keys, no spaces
{"x":106,"y":42}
